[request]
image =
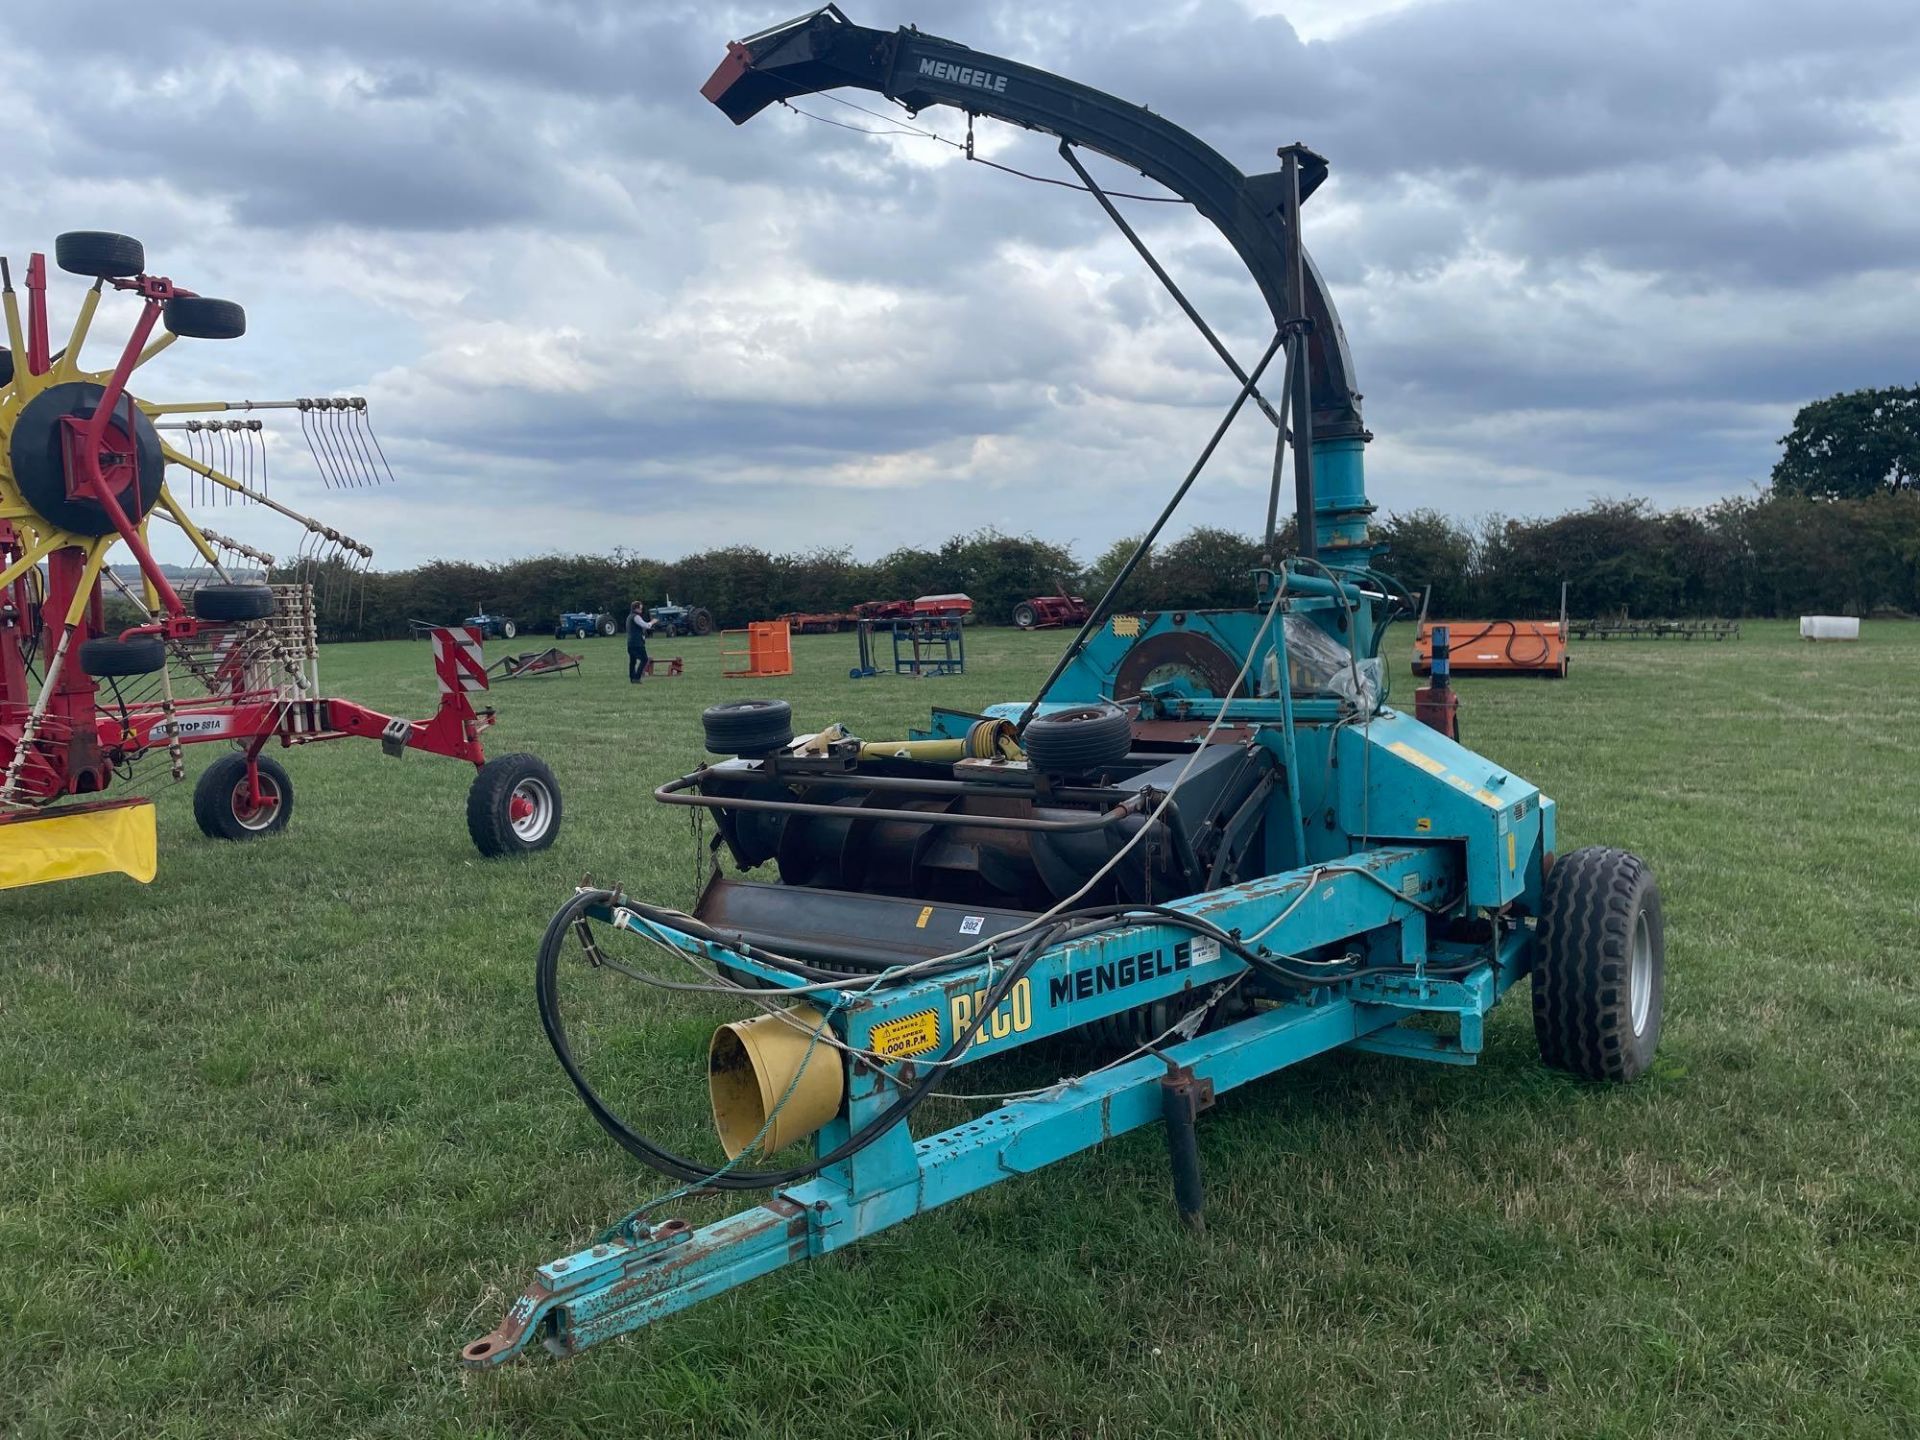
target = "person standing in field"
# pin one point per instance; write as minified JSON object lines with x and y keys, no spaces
{"x":638,"y":626}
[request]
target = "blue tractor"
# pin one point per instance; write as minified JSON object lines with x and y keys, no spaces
{"x":578,"y":624}
{"x":674,"y":619}
{"x":1206,"y":848}
{"x":492,"y":627}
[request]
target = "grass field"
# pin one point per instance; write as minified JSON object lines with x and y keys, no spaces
{"x":280,"y":1133}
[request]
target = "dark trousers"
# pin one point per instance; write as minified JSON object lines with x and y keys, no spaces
{"x":636,"y":663}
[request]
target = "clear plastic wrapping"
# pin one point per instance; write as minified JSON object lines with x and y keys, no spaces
{"x":1319,"y":664}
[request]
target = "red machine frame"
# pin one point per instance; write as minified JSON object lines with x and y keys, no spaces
{"x":66,"y":743}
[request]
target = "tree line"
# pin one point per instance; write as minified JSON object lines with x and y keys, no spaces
{"x":1773,"y":555}
{"x":1838,"y":530}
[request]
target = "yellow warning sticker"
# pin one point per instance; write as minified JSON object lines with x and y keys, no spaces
{"x":1512,"y":857}
{"x":1126,"y":627}
{"x":1425,"y":762}
{"x":906,"y":1037}
{"x":1423,"y":824}
{"x":926,"y":914}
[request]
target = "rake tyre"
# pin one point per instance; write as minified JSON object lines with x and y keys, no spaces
{"x":1599,"y":976}
{"x":513,"y":807}
{"x":198,"y":317}
{"x":105,"y":658}
{"x":223,"y":805}
{"x":224,"y":603}
{"x":100,"y":254}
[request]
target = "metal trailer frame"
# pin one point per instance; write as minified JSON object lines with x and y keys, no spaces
{"x":929,"y":645}
{"x":1625,"y":629}
{"x":1401,"y":878}
{"x":533,"y":664}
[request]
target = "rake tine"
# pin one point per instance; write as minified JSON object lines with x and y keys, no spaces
{"x":307,"y":429}
{"x":366,"y":417}
{"x":339,"y":443}
{"x":350,"y":442}
{"x":350,"y":418}
{"x":332,"y":418}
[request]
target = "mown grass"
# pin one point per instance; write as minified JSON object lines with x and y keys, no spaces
{"x":280,"y":1133}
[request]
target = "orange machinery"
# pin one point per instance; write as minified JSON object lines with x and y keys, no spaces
{"x":1497,"y":647}
{"x":769,"y":650}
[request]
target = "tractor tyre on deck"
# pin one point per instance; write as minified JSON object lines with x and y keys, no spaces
{"x":1599,"y":974}
{"x":1078,"y":741}
{"x":747,"y":727}
{"x":513,"y":807}
{"x":223,"y":801}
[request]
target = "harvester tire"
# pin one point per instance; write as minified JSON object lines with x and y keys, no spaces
{"x":105,"y":658}
{"x":1599,"y":975}
{"x":222,"y":800}
{"x":700,"y":623}
{"x":747,"y":727}
{"x":1078,"y":741}
{"x":232,"y":602}
{"x":197,"y":317}
{"x":1024,"y":616}
{"x":513,"y":807}
{"x":99,"y":253}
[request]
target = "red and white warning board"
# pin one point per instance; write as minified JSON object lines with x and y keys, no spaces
{"x":457,"y":662}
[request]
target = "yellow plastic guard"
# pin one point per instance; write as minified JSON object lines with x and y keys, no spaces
{"x":69,"y":844}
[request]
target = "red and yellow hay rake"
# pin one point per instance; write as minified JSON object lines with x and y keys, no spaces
{"x":86,"y":699}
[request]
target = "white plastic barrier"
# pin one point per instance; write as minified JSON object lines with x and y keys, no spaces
{"x":1829,"y":627}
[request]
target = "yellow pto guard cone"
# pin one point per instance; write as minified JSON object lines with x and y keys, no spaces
{"x":753,"y":1063}
{"x":66,"y":844}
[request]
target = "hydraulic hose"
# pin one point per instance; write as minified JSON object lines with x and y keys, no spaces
{"x":692,"y":1172}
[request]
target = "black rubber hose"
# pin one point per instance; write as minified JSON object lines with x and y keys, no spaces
{"x":679,"y":1167}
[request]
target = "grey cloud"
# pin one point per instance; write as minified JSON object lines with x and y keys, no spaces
{"x":1577,"y":248}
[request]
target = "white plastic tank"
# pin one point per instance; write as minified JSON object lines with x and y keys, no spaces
{"x":1829,"y":627}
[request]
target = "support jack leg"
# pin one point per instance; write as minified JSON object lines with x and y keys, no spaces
{"x":1182,"y":1098}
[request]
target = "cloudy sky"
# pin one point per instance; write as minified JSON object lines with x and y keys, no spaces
{"x":1579,"y":250}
